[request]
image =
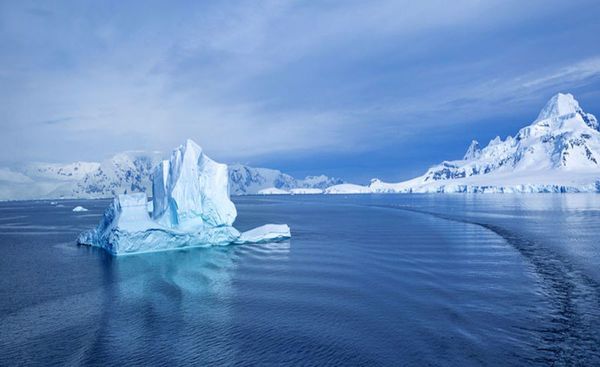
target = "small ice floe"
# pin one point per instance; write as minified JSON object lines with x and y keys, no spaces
{"x":265,"y":233}
{"x":305,"y":191}
{"x":79,"y":209}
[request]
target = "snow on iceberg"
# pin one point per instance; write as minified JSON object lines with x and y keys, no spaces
{"x":191,"y":208}
{"x":79,"y":209}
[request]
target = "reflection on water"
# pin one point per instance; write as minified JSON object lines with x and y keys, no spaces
{"x":169,"y":298}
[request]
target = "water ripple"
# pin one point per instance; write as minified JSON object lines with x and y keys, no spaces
{"x":571,"y":335}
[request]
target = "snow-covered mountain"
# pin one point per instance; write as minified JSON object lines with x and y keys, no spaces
{"x":129,"y":172}
{"x":558,"y":152}
{"x":123,"y":173}
{"x":245,"y":180}
{"x":61,"y":172}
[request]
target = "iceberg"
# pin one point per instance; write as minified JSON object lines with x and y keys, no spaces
{"x":273,"y":191}
{"x":305,"y":191}
{"x":79,"y":209}
{"x":190,"y":208}
{"x":347,"y":189}
{"x":266,"y":233}
{"x":191,"y":190}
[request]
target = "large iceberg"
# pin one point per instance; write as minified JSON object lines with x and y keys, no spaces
{"x":191,"y":190}
{"x":190,"y":207}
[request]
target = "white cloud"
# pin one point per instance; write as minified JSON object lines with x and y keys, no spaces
{"x":147,"y":78}
{"x":575,"y":73}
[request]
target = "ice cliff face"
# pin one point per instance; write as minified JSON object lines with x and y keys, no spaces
{"x":191,"y":189}
{"x":191,"y":207}
{"x":559,"y":151}
{"x":126,"y":228}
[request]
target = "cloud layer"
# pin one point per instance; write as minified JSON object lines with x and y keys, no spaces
{"x":253,"y":80}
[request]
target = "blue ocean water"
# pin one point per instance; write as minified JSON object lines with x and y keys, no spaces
{"x":440,"y":280}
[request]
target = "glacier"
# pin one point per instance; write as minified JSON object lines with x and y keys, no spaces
{"x":190,"y":208}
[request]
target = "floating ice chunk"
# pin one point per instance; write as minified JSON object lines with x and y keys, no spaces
{"x":127,"y":228}
{"x":265,"y":233}
{"x":273,"y":191}
{"x":347,"y":189}
{"x":79,"y":209}
{"x":305,"y":191}
{"x":191,"y":207}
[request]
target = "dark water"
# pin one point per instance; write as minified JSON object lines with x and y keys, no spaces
{"x":366,"y":280}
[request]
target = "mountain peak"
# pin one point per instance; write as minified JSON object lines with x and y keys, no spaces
{"x":559,"y":105}
{"x":190,"y":144}
{"x":473,"y":152}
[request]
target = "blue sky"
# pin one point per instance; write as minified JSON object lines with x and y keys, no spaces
{"x":356,"y":89}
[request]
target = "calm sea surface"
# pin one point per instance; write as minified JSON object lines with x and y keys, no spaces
{"x":431,"y":280}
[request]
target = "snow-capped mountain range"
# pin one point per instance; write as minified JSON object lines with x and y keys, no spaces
{"x":558,"y":152}
{"x":245,"y":180}
{"x":130,"y":172}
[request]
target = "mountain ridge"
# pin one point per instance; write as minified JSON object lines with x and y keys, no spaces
{"x":558,"y":152}
{"x":129,"y":172}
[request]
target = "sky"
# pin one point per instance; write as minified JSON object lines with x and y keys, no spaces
{"x":352,"y":89}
